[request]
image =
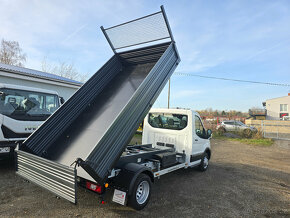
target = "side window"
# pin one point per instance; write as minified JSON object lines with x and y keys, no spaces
{"x":199,"y":130}
{"x":167,"y":121}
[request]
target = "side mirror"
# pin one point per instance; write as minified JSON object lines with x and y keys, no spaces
{"x":61,"y":100}
{"x":209,"y":133}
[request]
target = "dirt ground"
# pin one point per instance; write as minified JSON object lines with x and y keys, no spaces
{"x":242,"y":181}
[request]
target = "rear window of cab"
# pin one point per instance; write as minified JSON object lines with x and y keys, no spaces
{"x":168,"y":121}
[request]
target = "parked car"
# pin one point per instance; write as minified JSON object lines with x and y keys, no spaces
{"x":236,"y":126}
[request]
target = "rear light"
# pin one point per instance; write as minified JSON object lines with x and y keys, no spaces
{"x":94,"y":187}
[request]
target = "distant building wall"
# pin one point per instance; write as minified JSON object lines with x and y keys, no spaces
{"x":273,"y":107}
{"x":63,"y":90}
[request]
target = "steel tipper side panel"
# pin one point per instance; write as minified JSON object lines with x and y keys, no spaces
{"x":109,"y":149}
{"x":59,"y":121}
{"x":57,"y":178}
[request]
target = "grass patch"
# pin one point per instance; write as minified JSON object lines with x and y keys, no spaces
{"x":137,"y":138}
{"x":217,"y":135}
{"x":251,"y":141}
{"x":261,"y":142}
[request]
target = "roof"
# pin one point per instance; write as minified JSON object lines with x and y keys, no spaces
{"x":287,"y":96}
{"x":8,"y":86}
{"x":37,"y":74}
{"x":171,"y":110}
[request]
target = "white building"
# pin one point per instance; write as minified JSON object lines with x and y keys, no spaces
{"x":32,"y":78}
{"x":277,"y":107}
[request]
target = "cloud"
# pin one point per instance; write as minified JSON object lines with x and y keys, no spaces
{"x":74,"y":33}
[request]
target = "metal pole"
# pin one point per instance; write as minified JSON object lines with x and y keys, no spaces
{"x":167,"y":23}
{"x":168,"y":93}
{"x":108,"y":39}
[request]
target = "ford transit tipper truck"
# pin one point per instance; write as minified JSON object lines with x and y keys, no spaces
{"x":86,"y":140}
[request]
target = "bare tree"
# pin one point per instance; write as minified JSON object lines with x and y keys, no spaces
{"x":65,"y":70}
{"x":11,"y":53}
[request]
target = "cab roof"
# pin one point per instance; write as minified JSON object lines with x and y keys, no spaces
{"x":26,"y":88}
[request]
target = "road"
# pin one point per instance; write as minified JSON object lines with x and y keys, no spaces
{"x":242,"y":181}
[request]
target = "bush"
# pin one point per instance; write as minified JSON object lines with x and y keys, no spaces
{"x":247,"y":133}
{"x":220,"y":131}
{"x":258,"y":135}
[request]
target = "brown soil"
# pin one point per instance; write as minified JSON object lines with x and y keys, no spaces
{"x":242,"y":181}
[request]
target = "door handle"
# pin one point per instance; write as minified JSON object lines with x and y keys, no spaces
{"x":196,"y":140}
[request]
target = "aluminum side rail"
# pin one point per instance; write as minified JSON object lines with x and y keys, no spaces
{"x":56,"y":178}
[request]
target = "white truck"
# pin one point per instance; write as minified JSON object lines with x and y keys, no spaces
{"x":22,"y":110}
{"x":172,"y":139}
{"x":86,"y":140}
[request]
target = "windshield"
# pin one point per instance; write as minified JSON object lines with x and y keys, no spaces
{"x":27,"y":105}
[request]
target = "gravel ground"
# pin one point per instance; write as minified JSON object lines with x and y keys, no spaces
{"x":242,"y":181}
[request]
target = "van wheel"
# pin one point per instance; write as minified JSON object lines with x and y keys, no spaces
{"x":141,"y":192}
{"x":204,"y":163}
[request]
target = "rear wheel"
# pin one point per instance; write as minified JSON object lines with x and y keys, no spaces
{"x":141,"y":192}
{"x":204,"y":163}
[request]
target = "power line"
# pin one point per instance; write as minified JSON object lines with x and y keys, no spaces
{"x":235,"y":80}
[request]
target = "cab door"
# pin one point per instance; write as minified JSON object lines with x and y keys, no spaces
{"x":200,"y":138}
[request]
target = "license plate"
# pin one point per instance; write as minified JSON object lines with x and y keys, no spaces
{"x":119,"y":197}
{"x":5,"y":150}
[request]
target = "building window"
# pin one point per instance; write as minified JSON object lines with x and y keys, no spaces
{"x":283,"y":107}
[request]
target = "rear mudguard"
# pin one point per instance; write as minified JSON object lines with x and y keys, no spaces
{"x":128,"y":175}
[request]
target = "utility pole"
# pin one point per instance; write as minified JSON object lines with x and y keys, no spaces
{"x":168,"y":93}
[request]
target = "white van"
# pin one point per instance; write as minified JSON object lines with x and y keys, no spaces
{"x":22,"y":110}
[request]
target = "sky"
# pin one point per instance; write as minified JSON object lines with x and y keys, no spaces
{"x":248,"y":40}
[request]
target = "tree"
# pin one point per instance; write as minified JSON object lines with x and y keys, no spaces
{"x":11,"y":53}
{"x":65,"y":70}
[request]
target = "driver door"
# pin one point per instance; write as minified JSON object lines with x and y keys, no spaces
{"x":199,"y":137}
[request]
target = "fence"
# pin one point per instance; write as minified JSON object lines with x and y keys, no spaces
{"x":276,"y":129}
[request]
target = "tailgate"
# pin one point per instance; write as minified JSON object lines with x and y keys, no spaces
{"x":55,"y":177}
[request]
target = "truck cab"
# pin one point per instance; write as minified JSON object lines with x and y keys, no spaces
{"x":181,"y":129}
{"x":22,"y":110}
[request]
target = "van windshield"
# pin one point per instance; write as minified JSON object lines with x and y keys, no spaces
{"x":27,"y":105}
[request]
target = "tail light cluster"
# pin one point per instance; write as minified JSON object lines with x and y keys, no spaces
{"x":94,"y":187}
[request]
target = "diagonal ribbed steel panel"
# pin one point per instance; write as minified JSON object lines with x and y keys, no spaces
{"x":96,"y":123}
{"x":108,"y":150}
{"x":50,"y":130}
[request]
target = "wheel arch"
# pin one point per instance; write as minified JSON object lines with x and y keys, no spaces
{"x":128,"y":175}
{"x":208,"y":152}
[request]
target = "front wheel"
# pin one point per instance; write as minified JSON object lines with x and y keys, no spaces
{"x":141,"y":192}
{"x":204,"y":163}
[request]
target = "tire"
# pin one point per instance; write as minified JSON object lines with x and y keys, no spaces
{"x":204,"y":163}
{"x":141,"y":192}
